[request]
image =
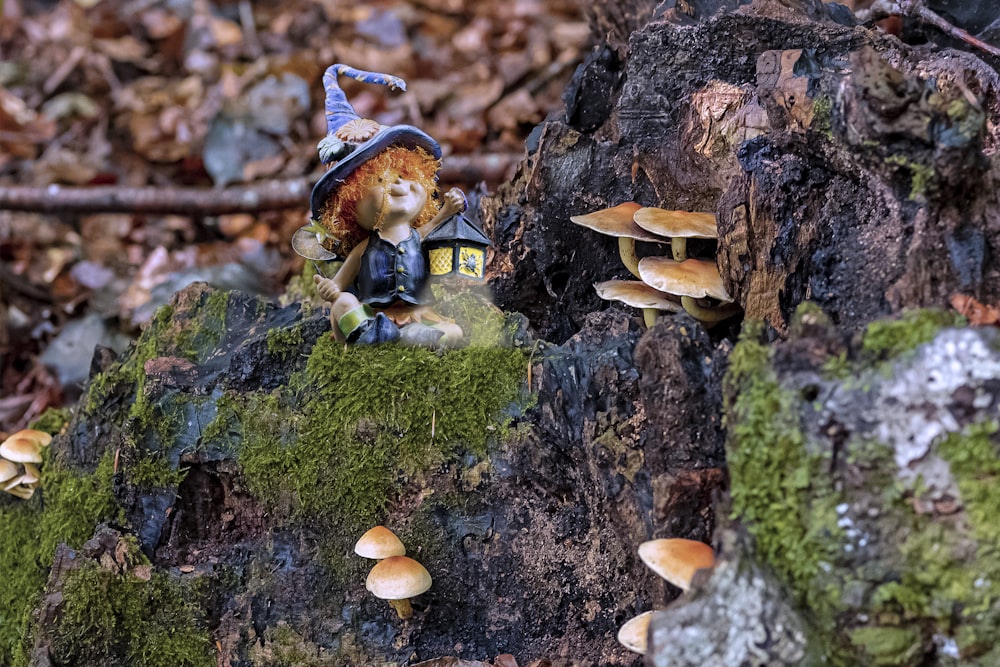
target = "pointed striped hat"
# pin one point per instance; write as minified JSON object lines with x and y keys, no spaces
{"x":351,"y":140}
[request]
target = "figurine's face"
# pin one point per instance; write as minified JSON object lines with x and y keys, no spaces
{"x":391,"y":202}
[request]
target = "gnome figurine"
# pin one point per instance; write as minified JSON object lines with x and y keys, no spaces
{"x":373,"y":206}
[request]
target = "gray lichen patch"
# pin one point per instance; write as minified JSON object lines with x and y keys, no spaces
{"x":916,"y":406}
{"x":740,"y":616}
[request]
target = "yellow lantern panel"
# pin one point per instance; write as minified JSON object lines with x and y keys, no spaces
{"x":440,"y":261}
{"x":471,"y":262}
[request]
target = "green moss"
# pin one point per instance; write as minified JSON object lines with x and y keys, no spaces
{"x":483,"y":324}
{"x":778,"y":490}
{"x":921,"y":176}
{"x":282,"y":342}
{"x":823,"y":116}
{"x":52,"y":421}
{"x":335,"y":448}
{"x":282,"y":646}
{"x":65,"y":509}
{"x":886,"y":339}
{"x":203,"y":331}
{"x":152,"y":471}
{"x":837,"y":367}
{"x":225,"y":425}
{"x":974,"y":457}
{"x":109,"y":618}
{"x":887,"y":646}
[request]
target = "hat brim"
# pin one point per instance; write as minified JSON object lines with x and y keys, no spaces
{"x":406,"y":136}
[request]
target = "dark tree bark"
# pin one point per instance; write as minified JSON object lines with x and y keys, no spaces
{"x":843,"y":166}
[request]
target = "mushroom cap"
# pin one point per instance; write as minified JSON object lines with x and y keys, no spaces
{"x":379,"y":543}
{"x":398,"y":578}
{"x":679,"y":224}
{"x":41,"y":437}
{"x":676,"y":560}
{"x":21,"y":450}
{"x":633,"y":635}
{"x":616,"y":221}
{"x":696,"y":278}
{"x":636,"y":294}
{"x":8,"y":470}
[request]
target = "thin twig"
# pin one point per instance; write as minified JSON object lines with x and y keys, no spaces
{"x":184,"y":201}
{"x":269,"y":196}
{"x":881,"y":9}
{"x":958,"y":33}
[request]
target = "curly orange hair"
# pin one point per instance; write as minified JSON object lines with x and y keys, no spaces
{"x":340,"y":215}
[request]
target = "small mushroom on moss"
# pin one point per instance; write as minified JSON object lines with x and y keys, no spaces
{"x":379,"y":543}
{"x":677,"y":559}
{"x":638,"y":295}
{"x":21,"y":449}
{"x":633,"y":635}
{"x":617,"y":221}
{"x":397,"y":579}
{"x":678,"y":226}
{"x":690,"y":279}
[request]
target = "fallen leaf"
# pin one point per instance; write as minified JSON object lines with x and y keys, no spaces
{"x":977,"y":313}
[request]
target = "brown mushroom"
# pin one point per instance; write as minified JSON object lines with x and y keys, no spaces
{"x":638,"y":295}
{"x":379,"y":543}
{"x":678,"y":226}
{"x":634,"y":634}
{"x":617,"y":221}
{"x":677,"y":560}
{"x":397,"y":579}
{"x":41,"y":437}
{"x":21,"y":449}
{"x":690,"y":279}
{"x":8,"y":471}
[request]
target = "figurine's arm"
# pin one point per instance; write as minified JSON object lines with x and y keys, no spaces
{"x":331,"y":288}
{"x":454,"y":202}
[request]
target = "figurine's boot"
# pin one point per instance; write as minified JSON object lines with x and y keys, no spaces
{"x":362,"y":326}
{"x":419,"y":334}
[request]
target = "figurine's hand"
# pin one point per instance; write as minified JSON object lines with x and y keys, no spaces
{"x":454,"y":201}
{"x":326,"y":288}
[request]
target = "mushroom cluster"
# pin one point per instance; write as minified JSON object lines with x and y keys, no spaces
{"x":395,"y":577}
{"x":676,"y":560}
{"x":20,"y":455}
{"x":669,"y":284}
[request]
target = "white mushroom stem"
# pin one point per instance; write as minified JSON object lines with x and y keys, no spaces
{"x":678,"y":247}
{"x":403,"y":608}
{"x":626,"y":248}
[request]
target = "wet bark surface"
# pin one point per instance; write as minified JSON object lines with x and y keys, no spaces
{"x":537,"y":560}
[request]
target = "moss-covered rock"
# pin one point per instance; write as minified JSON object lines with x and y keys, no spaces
{"x":64,"y":511}
{"x":867,"y":490}
{"x":106,"y":606}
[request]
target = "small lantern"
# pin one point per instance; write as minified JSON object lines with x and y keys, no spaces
{"x":457,"y":247}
